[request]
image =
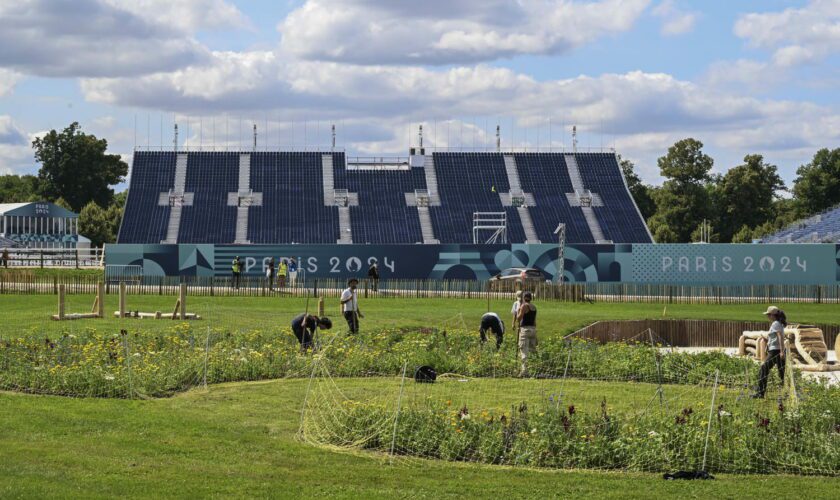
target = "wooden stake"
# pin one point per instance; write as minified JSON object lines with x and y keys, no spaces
{"x":61,"y":301}
{"x":183,"y":300}
{"x":177,"y":307}
{"x":122,"y":300}
{"x":100,"y":310}
{"x":321,"y":307}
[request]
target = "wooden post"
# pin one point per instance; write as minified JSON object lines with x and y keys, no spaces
{"x":183,"y":300}
{"x":61,"y":301}
{"x":320,"y":307}
{"x":100,"y":295}
{"x":122,"y":299}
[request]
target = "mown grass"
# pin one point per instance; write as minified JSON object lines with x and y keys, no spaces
{"x":30,"y":314}
{"x":59,"y":272}
{"x":239,"y":440}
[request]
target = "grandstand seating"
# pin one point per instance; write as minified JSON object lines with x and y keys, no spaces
{"x":293,"y":209}
{"x":295,"y":206}
{"x":382,"y":214}
{"x":619,"y":217}
{"x":144,"y":221}
{"x":546,"y":176}
{"x":466,"y":183}
{"x":211,"y":176}
{"x":820,"y":228}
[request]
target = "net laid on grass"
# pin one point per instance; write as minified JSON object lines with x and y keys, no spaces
{"x":636,"y":405}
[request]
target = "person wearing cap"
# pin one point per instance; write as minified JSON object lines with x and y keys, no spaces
{"x":527,"y":319}
{"x":350,"y":305}
{"x":491,"y":321}
{"x":514,"y":310}
{"x":775,"y":349}
{"x":304,"y":326}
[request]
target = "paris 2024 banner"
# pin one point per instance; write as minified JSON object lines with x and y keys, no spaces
{"x":627,"y":263}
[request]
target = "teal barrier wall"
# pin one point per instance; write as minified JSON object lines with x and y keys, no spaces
{"x":641,"y":263}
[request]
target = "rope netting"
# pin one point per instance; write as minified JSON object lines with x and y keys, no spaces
{"x":638,"y":405}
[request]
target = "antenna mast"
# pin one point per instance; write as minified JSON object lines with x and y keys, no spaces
{"x":255,"y":137}
{"x":175,"y":142}
{"x":498,"y":139}
{"x":574,"y":138}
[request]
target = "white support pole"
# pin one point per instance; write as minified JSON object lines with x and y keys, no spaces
{"x":709,"y":426}
{"x":397,"y":414}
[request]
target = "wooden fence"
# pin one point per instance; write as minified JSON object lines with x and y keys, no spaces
{"x":23,"y":282}
{"x":683,"y":332}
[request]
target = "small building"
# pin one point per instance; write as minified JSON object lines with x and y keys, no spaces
{"x":39,"y":224}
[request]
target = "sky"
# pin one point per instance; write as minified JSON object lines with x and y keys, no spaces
{"x":743,"y":77}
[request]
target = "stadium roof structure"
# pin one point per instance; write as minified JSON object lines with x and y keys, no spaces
{"x":322,"y":197}
{"x":35,"y":209}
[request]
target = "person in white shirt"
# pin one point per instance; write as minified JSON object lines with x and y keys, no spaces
{"x":775,"y":349}
{"x":350,"y":305}
{"x":514,"y":311}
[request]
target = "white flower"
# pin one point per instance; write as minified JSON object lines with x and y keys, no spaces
{"x":109,"y":377}
{"x":534,"y":430}
{"x":724,"y":413}
{"x":653,"y":433}
{"x":465,"y":416}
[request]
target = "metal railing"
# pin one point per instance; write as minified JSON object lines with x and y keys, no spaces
{"x":52,"y":257}
{"x":21,"y":281}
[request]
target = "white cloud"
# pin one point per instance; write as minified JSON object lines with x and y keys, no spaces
{"x":645,"y":112}
{"x":796,"y":35}
{"x":440,"y":32}
{"x":15,"y":151}
{"x":675,"y":21}
{"x":187,"y":15}
{"x":89,"y":38}
{"x":8,"y":80}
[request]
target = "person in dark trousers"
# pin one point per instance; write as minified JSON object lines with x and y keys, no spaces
{"x":350,"y":305}
{"x":527,"y":317}
{"x":5,"y":258}
{"x":775,"y":349}
{"x":373,"y":275}
{"x":236,"y":269}
{"x":304,"y":326}
{"x":492,"y":322}
{"x":269,"y":274}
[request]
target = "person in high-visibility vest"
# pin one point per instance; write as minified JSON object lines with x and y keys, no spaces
{"x":236,"y":268}
{"x":282,"y":272}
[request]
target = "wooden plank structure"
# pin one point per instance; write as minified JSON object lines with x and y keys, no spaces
{"x":179,"y":311}
{"x":97,"y":311}
{"x":683,"y":332}
{"x":806,"y":345}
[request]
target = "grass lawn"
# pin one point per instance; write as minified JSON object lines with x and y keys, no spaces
{"x":30,"y":314}
{"x":240,"y":440}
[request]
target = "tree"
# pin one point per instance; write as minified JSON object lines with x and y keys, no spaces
{"x":61,"y":202}
{"x":746,"y":196}
{"x":682,"y":202}
{"x":817,"y":185}
{"x":75,"y":166}
{"x":94,"y":223}
{"x":641,"y":192}
{"x":18,"y":188}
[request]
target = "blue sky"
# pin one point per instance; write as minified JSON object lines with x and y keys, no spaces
{"x":743,"y":77}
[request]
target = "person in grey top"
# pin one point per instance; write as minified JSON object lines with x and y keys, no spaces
{"x":775,"y":349}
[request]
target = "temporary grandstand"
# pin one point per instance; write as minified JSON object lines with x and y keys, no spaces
{"x":323,"y":197}
{"x":821,"y":228}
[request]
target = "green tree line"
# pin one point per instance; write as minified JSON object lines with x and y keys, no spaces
{"x":743,"y":204}
{"x":77,"y":173}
